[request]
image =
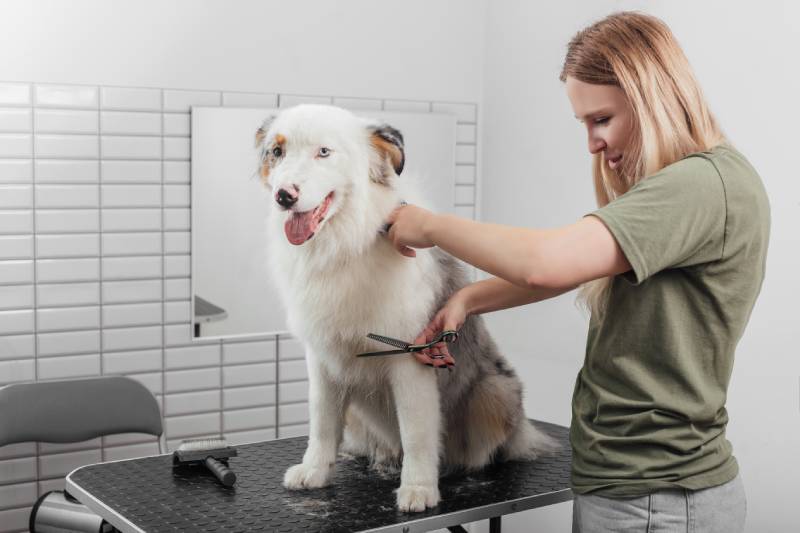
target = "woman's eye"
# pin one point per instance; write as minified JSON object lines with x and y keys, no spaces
{"x":277,"y":152}
{"x":603,"y":120}
{"x":324,"y":152}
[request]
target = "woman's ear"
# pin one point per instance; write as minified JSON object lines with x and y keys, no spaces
{"x":388,"y":153}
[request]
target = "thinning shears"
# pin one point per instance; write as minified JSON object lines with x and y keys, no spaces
{"x":405,"y":347}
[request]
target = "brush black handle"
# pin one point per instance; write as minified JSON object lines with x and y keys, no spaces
{"x":225,"y":475}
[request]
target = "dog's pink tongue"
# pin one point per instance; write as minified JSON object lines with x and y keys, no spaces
{"x":300,"y":227}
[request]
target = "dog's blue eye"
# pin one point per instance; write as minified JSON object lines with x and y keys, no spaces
{"x":277,"y":152}
{"x":324,"y":152}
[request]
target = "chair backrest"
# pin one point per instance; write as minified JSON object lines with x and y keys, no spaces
{"x":76,"y":410}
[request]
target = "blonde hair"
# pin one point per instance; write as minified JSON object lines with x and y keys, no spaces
{"x":639,"y":54}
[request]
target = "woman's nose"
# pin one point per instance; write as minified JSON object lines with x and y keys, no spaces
{"x":596,"y":145}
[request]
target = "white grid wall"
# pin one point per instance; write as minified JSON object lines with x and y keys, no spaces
{"x":95,"y":266}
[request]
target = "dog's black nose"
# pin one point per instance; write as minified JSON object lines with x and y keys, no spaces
{"x":285,"y":198}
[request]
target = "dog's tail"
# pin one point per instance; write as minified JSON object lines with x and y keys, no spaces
{"x":528,"y":442}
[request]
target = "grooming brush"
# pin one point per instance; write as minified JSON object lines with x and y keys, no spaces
{"x":212,"y":453}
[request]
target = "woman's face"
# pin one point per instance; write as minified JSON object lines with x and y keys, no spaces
{"x":608,"y":118}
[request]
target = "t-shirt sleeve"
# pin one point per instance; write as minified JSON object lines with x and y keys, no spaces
{"x":674,"y":218}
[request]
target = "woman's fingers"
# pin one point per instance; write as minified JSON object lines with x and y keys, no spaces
{"x":424,"y":358}
{"x":449,"y":359}
{"x":425,"y":336}
{"x":443,"y":353}
{"x":391,"y":232}
{"x":437,"y":355}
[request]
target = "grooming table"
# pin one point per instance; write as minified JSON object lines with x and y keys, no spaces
{"x":146,"y":494}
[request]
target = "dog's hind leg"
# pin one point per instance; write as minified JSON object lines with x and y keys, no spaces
{"x":416,"y":397}
{"x":327,"y":404}
{"x":493,"y":406}
{"x":527,"y":443}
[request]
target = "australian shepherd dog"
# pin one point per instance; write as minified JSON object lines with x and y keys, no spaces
{"x":333,"y":178}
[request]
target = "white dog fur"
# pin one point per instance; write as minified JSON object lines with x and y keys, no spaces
{"x":341,"y":280}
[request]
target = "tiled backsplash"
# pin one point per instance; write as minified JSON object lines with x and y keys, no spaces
{"x":95,"y":266}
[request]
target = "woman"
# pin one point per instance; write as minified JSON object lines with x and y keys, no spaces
{"x":670,"y":266}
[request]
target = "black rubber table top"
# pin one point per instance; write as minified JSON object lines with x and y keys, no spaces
{"x":153,"y":496}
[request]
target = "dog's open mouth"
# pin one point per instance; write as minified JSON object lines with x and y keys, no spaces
{"x":301,"y":226}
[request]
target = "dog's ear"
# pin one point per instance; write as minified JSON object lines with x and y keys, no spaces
{"x":388,"y":152}
{"x":263,"y":166}
{"x":261,"y":132}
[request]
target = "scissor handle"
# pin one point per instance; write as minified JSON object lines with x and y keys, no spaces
{"x":445,"y":336}
{"x":448,"y":336}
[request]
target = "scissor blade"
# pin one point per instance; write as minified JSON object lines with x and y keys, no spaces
{"x":389,"y":340}
{"x":386,"y":352}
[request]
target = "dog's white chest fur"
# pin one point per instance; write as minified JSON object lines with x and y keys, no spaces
{"x":381,"y":292}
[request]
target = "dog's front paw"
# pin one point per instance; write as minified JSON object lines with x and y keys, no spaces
{"x":303,"y":476}
{"x":416,"y":498}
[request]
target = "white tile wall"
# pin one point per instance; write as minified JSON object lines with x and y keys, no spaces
{"x":131,"y":362}
{"x":241,"y":397}
{"x":192,"y":402}
{"x":231,"y":99}
{"x":130,"y":171}
{"x":17,"y":371}
{"x":15,"y":145}
{"x":15,"y":197}
{"x":246,"y":419}
{"x":15,"y":93}
{"x":120,"y":315}
{"x":118,"y":453}
{"x":12,"y":120}
{"x":130,"y":123}
{"x":95,"y":240}
{"x":65,"y":171}
{"x":56,"y":221}
{"x":66,"y":146}
{"x":289,"y":100}
{"x":69,"y":366}
{"x":55,"y":319}
{"x":16,"y":272}
{"x":65,"y":96}
{"x":16,"y":222}
{"x":115,"y":220}
{"x":67,"y":294}
{"x":130,"y":99}
{"x":59,"y":465}
{"x":64,"y":121}
{"x":16,"y":296}
{"x":19,"y":170}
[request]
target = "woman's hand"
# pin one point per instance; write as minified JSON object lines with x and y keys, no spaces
{"x":408,"y":225}
{"x":450,"y":317}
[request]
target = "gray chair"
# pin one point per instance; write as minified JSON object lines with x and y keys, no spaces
{"x":73,"y":411}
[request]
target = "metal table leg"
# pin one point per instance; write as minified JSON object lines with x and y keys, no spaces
{"x":494,"y":526}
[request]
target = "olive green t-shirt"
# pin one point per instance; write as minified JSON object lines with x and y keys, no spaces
{"x":648,"y":410}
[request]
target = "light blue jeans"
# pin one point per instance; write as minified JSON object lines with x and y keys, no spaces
{"x":715,"y":509}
